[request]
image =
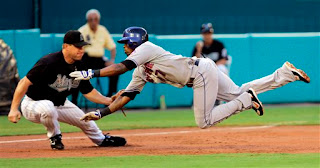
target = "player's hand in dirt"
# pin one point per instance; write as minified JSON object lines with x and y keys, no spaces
{"x":14,"y":116}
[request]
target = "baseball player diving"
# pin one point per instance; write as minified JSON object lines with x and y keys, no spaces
{"x":154,"y":64}
{"x":46,"y":87}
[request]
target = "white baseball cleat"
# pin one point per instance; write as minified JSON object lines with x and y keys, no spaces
{"x":298,"y":73}
{"x":256,"y":103}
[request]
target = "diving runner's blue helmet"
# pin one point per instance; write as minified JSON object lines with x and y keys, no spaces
{"x":134,"y":37}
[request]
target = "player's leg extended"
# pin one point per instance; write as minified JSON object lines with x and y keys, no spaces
{"x":282,"y":76}
{"x":228,"y":91}
{"x":205,"y":93}
{"x":71,"y":114}
{"x":42,"y":111}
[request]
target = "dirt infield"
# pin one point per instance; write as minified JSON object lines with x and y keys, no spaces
{"x":260,"y":139}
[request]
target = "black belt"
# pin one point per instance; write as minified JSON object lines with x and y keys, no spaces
{"x":197,"y":62}
{"x":190,"y":82}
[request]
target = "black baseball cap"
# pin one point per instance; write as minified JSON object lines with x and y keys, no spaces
{"x":206,"y":28}
{"x":75,"y":38}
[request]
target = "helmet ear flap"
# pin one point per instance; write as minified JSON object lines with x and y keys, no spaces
{"x":131,"y":45}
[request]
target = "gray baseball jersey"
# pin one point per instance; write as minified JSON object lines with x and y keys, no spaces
{"x":156,"y":65}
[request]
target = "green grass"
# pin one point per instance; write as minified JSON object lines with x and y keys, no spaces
{"x":175,"y":118}
{"x":176,"y":161}
{"x":304,"y":115}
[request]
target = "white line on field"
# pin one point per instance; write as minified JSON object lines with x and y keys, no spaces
{"x":152,"y":133}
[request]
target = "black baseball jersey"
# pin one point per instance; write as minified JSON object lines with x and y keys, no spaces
{"x":215,"y":51}
{"x":51,"y":80}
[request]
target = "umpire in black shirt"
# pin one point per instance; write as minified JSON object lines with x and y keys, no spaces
{"x":46,"y":87}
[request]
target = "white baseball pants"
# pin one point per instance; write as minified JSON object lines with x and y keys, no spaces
{"x":211,"y":84}
{"x":44,"y":112}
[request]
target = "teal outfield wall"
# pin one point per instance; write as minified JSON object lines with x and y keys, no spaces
{"x":165,"y":16}
{"x":254,"y":56}
{"x":186,"y":16}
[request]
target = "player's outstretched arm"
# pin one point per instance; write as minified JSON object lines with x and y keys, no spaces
{"x":114,"y":69}
{"x":114,"y":97}
{"x":113,"y":107}
{"x":98,"y":98}
{"x":23,"y":85}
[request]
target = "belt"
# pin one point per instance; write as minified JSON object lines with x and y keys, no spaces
{"x":193,"y":74}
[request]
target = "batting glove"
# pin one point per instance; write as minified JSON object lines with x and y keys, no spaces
{"x":94,"y":115}
{"x":82,"y":75}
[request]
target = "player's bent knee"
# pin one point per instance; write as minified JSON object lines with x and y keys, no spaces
{"x":48,"y":110}
{"x":203,"y":125}
{"x":245,"y":87}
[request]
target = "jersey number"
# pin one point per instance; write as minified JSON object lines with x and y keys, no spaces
{"x":157,"y":73}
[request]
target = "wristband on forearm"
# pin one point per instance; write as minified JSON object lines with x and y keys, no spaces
{"x":96,"y":73}
{"x":105,"y":111}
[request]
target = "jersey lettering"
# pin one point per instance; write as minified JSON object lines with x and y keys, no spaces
{"x":63,"y":83}
{"x":154,"y":76}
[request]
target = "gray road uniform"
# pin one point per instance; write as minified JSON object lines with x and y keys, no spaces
{"x":156,"y":65}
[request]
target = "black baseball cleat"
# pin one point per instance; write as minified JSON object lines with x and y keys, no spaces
{"x":56,"y":142}
{"x":256,"y":103}
{"x":113,"y":141}
{"x":298,"y":73}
